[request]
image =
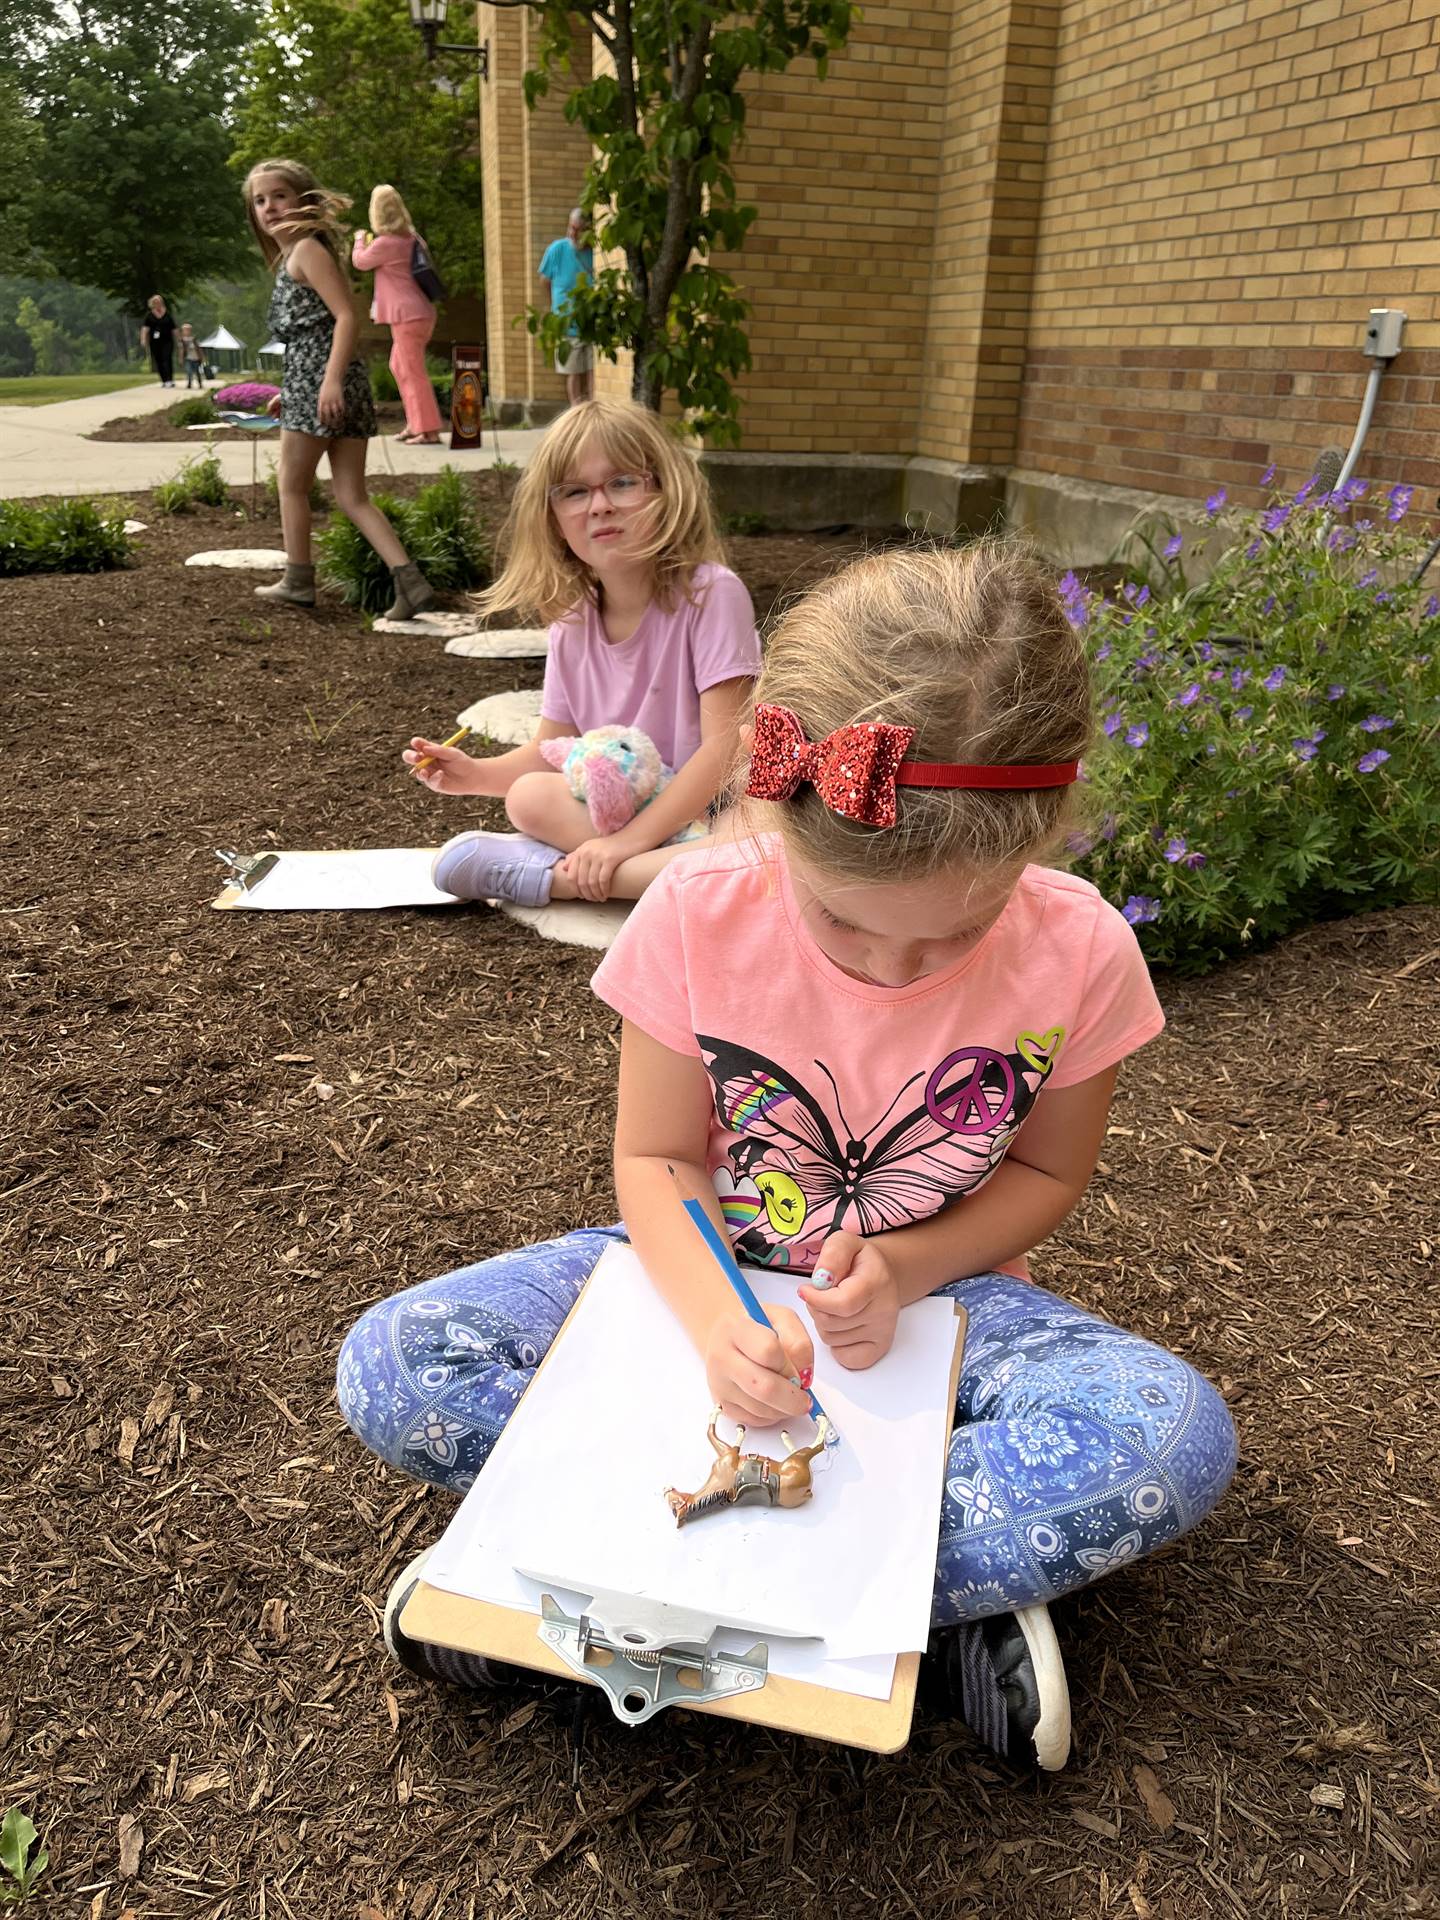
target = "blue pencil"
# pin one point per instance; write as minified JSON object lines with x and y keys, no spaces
{"x":716,"y":1241}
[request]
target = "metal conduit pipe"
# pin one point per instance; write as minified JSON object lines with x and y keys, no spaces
{"x":1383,"y":335}
{"x":1362,"y":425}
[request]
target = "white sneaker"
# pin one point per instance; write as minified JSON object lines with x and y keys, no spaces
{"x":1005,"y":1679}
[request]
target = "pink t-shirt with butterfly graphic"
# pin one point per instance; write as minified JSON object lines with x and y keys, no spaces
{"x":838,"y":1105}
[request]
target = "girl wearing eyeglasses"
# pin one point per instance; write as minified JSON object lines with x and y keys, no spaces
{"x":612,"y":538}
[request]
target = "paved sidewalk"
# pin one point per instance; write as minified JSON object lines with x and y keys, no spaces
{"x":43,"y":450}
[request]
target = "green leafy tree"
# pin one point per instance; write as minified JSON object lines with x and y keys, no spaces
{"x":665,"y":126}
{"x":48,"y":345}
{"x":84,"y":326}
{"x":137,"y":194}
{"x":26,"y":27}
{"x":344,"y":87}
{"x":19,"y":170}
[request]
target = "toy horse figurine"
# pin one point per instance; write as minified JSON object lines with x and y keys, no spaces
{"x":738,"y":1476}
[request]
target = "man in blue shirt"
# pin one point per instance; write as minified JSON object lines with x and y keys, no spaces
{"x":563,"y":265}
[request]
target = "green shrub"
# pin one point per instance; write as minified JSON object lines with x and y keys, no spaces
{"x":439,"y":529}
{"x":1270,"y":735}
{"x":744,"y":523}
{"x":199,"y":483}
{"x":198,"y":411}
{"x":382,"y":381}
{"x":446,"y":534}
{"x":63,"y":536}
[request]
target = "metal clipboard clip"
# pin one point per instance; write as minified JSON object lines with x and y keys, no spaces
{"x":245,"y":870}
{"x":646,"y":1655}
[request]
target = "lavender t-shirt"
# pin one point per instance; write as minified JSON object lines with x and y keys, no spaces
{"x":654,"y":679}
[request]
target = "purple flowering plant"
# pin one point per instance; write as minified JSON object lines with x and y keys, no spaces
{"x":1230,"y":819}
{"x":245,"y":396}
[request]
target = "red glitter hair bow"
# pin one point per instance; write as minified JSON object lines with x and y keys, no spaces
{"x":857,"y":769}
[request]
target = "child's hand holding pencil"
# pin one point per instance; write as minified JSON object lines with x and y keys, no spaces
{"x":759,"y":1362}
{"x":753,"y":1370}
{"x":440,"y":765}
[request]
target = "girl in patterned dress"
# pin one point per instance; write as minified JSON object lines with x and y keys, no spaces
{"x":325,"y":404}
{"x":881,"y":1036}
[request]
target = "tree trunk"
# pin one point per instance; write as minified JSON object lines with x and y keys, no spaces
{"x":682,"y":205}
{"x":645,"y":388}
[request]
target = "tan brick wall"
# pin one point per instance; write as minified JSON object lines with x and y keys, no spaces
{"x":991,"y":168}
{"x":1228,"y":190}
{"x":1119,"y":241}
{"x":837,"y":266}
{"x":533,"y":167}
{"x":502,"y":135}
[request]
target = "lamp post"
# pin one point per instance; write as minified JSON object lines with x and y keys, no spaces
{"x":428,"y":17}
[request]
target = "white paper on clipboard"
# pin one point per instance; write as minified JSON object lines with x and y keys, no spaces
{"x":620,"y":1411}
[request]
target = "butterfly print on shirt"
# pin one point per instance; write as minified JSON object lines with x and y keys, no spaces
{"x":942,"y":1136}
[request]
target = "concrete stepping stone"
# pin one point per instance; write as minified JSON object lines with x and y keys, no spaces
{"x":502,"y":643}
{"x":574,"y":923}
{"x":253,"y":559}
{"x":435,"y":626}
{"x":508,"y":718}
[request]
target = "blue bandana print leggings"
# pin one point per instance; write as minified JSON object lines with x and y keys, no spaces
{"x":1078,"y":1448}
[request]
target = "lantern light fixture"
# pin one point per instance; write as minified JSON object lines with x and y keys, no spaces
{"x":428,"y":19}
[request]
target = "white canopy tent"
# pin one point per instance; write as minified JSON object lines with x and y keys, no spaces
{"x":272,"y":350}
{"x":222,"y":341}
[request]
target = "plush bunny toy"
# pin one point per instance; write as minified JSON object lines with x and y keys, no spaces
{"x":616,"y":771}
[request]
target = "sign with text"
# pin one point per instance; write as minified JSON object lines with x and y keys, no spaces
{"x":467,"y":396}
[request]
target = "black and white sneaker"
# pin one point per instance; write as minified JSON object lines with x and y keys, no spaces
{"x":1005,"y":1679}
{"x":471,"y":1670}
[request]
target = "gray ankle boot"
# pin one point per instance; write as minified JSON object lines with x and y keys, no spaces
{"x":296,"y":584}
{"x":413,"y":592}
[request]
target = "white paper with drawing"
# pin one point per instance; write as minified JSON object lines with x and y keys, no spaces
{"x":619,"y":1412}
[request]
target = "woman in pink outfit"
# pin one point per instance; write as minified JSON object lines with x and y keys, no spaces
{"x":404,"y":308}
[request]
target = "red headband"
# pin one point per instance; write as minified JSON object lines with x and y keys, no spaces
{"x":856,"y":769}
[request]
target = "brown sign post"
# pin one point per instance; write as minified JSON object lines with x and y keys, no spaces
{"x":467,"y":396}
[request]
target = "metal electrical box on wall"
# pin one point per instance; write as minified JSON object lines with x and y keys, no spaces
{"x":1384,"y":333}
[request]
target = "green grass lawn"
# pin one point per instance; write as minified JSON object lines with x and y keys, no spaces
{"x":39,"y":389}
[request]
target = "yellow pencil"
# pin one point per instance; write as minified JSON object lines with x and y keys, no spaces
{"x":428,"y":759}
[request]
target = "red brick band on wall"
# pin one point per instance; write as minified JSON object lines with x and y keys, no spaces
{"x":1183,"y":420}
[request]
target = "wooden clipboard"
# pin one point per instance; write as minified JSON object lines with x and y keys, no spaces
{"x":790,"y":1706}
{"x":246,"y":872}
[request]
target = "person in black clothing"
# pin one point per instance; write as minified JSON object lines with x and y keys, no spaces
{"x":157,"y":332}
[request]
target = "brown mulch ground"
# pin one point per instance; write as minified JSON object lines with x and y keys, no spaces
{"x":151,"y":426}
{"x":159,"y":425}
{"x":226,"y":1135}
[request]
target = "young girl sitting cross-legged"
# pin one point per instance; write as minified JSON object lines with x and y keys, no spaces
{"x":612,"y":538}
{"x":887,"y":1028}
